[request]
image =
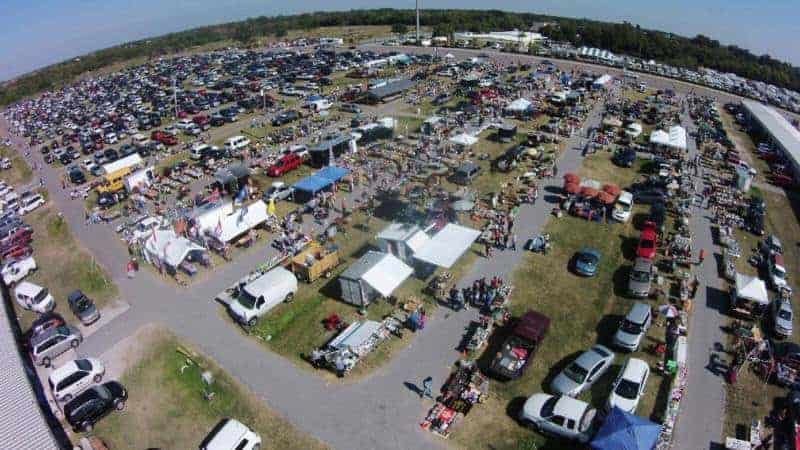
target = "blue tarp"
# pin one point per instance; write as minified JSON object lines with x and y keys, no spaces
{"x":312,"y":184}
{"x":333,"y":173}
{"x":625,"y":431}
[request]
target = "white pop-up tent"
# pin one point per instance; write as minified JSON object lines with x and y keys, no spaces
{"x":675,"y":138}
{"x":129,"y":161}
{"x":464,"y":140}
{"x":241,"y":221}
{"x":519,"y":105}
{"x":165,"y":247}
{"x":444,"y":248}
{"x":752,"y":289}
{"x":374,"y":274}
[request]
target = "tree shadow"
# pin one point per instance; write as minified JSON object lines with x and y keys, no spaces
{"x":620,"y":280}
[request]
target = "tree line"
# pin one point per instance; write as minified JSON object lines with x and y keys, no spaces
{"x":625,"y":38}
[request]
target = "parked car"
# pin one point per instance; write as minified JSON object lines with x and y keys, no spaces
{"x":76,"y":175}
{"x":776,"y":271}
{"x":44,"y":322}
{"x":15,"y":271}
{"x":33,"y":297}
{"x":647,"y":196}
{"x":629,"y":386}
{"x":466,"y":173}
{"x":647,"y":241}
{"x":85,"y":410}
{"x":640,"y":278}
{"x":230,"y":434}
{"x":560,"y":415}
{"x":520,"y":347}
{"x":625,"y":158}
{"x":634,"y":327}
{"x":782,"y":317}
{"x":83,"y":307}
{"x":582,"y":373}
{"x":75,"y":377}
{"x":284,"y":165}
{"x":278,"y":191}
{"x":52,"y":342}
{"x":587,"y":261}
{"x":30,"y":204}
{"x":351,"y":108}
{"x":284,"y":118}
{"x":623,"y":207}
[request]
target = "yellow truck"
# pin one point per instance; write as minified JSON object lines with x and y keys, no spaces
{"x":315,"y":261}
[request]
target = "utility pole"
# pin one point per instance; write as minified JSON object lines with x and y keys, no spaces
{"x":417,"y":8}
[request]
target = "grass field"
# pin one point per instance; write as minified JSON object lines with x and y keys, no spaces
{"x":167,"y":407}
{"x":19,"y":173}
{"x":63,"y":266}
{"x":584,"y":311}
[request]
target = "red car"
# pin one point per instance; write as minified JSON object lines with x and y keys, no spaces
{"x":647,"y":241}
{"x":164,"y":138}
{"x":285,"y":164}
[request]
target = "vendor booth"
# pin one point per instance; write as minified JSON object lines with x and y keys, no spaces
{"x":672,"y":141}
{"x":519,"y":107}
{"x":446,"y":246}
{"x":463,"y":140}
{"x":402,"y":240}
{"x":248,"y":217}
{"x":232,"y":178}
{"x":168,"y":251}
{"x":354,"y":342}
{"x":139,"y":180}
{"x":374,"y":274}
{"x":333,"y":173}
{"x":305,"y":189}
{"x":333,"y":146}
{"x":749,"y":297}
{"x":464,"y":388}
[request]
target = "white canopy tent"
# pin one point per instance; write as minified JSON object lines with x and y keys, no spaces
{"x":241,"y":221}
{"x":447,"y":245}
{"x":751,"y":288}
{"x":208,"y":216}
{"x":674,"y":138}
{"x":354,"y":336}
{"x":129,"y":161}
{"x":519,"y":105}
{"x":387,"y":275}
{"x":164,"y":246}
{"x":464,"y":140}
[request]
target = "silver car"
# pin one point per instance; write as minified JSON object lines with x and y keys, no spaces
{"x":634,"y":327}
{"x":782,"y":317}
{"x":53,"y":342}
{"x":640,"y":278}
{"x":583,"y":372}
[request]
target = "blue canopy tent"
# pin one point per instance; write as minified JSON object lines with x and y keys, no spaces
{"x":308,"y":187}
{"x":625,"y":431}
{"x":333,"y":173}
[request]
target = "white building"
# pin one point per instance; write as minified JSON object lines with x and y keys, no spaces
{"x":523,"y":38}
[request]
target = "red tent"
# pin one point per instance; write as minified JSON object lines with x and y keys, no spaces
{"x":606,"y":198}
{"x":589,"y":192}
{"x":612,"y":189}
{"x":572,"y":188}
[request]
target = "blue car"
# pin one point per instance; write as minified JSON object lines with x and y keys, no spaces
{"x":586,"y":262}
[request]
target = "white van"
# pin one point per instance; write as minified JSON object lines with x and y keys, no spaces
{"x":34,"y":297}
{"x":196,"y":152}
{"x":236,"y":143}
{"x":230,"y":434}
{"x":28,"y":204}
{"x":254,"y":299}
{"x":623,"y":208}
{"x":14,"y":271}
{"x":139,"y":140}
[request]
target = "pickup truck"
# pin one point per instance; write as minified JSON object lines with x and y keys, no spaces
{"x":520,"y":347}
{"x":284,"y":165}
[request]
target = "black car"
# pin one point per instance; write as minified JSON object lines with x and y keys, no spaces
{"x":111,"y":155}
{"x":217,"y":121}
{"x":88,"y":408}
{"x":649,"y":196}
{"x":284,"y":118}
{"x":658,"y":215}
{"x":83,"y":307}
{"x":625,"y":158}
{"x":76,"y":176}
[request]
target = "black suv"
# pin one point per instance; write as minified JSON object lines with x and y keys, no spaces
{"x":88,"y":408}
{"x":76,"y":176}
{"x":284,"y":118}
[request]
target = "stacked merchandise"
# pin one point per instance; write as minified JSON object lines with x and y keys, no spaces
{"x":465,"y":387}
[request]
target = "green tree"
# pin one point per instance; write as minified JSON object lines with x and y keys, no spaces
{"x":400,"y":28}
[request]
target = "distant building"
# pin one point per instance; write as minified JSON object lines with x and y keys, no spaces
{"x":331,"y":41}
{"x":778,"y":131}
{"x":518,"y":37}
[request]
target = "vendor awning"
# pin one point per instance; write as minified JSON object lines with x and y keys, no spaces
{"x":128,"y":161}
{"x":674,"y":138}
{"x":519,"y":105}
{"x":312,"y":184}
{"x":168,"y":247}
{"x":447,"y":245}
{"x":751,"y":288}
{"x":355,"y":335}
{"x":387,"y":274}
{"x":333,"y":173}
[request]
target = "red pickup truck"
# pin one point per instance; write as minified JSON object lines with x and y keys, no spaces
{"x":285,"y":164}
{"x":202,"y":121}
{"x":164,"y":138}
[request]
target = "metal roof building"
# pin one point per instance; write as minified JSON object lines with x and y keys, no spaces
{"x":777,"y":128}
{"x":23,"y":424}
{"x":390,"y":89}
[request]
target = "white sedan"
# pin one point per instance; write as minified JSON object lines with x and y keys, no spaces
{"x":559,"y":415}
{"x":629,"y":386}
{"x":75,"y":377}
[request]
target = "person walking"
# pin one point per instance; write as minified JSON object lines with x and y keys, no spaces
{"x":514,"y":242}
{"x":427,"y":388}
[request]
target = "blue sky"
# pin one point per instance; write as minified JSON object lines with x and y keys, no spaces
{"x":35,"y":33}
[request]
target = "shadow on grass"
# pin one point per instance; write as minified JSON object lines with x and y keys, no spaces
{"x":662,"y":398}
{"x":606,"y":328}
{"x":620,"y":280}
{"x":628,"y":246}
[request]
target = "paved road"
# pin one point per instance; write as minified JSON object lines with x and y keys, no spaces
{"x":702,"y":409}
{"x":377,"y":413}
